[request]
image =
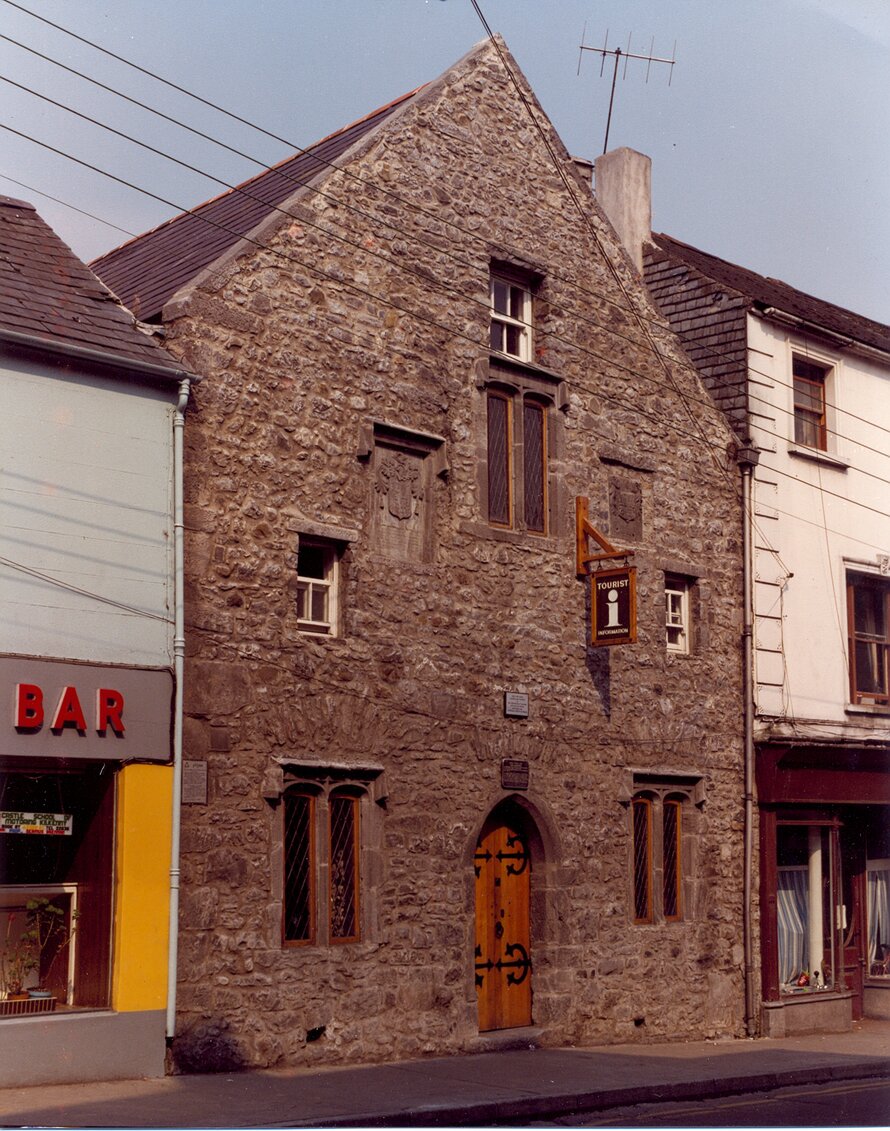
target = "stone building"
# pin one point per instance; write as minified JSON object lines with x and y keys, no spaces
{"x":805,"y":385}
{"x":423,"y":812}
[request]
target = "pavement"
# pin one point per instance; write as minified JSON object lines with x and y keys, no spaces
{"x":508,"y":1087}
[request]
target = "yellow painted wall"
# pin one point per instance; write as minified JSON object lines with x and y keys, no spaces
{"x":142,"y":888}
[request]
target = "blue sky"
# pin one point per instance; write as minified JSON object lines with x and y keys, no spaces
{"x":769,"y":146}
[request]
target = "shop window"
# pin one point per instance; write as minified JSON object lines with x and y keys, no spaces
{"x":677,"y":613}
{"x":805,"y":895}
{"x":868,"y":625}
{"x":511,"y":318}
{"x":661,"y":818}
{"x":317,"y":577}
{"x":517,"y":460}
{"x":878,"y":916}
{"x":810,"y":381}
{"x":322,"y":865}
{"x":61,"y":869}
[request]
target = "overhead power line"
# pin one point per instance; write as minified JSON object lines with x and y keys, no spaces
{"x":641,"y":317}
{"x":684,"y":396}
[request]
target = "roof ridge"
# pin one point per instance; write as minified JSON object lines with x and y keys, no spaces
{"x":768,"y":279}
{"x":298,"y":151}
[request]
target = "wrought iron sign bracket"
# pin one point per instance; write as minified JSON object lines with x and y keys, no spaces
{"x":584,"y":530}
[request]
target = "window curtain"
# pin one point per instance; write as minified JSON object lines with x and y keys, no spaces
{"x":791,"y":903}
{"x":878,"y":904}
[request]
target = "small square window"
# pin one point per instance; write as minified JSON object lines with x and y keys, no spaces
{"x":317,"y":568}
{"x":676,"y":614}
{"x":809,"y":403}
{"x":511,"y":318}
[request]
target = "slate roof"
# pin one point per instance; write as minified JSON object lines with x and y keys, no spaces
{"x":762,"y":292}
{"x":48,"y":294}
{"x":147,"y":271}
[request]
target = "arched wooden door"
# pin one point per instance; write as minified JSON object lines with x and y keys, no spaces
{"x":503,"y":937}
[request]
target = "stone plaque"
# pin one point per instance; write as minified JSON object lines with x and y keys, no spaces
{"x":515,"y":705}
{"x":625,"y":507}
{"x":194,"y":782}
{"x":514,"y":774}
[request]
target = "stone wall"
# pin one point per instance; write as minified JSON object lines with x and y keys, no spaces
{"x":341,"y":322}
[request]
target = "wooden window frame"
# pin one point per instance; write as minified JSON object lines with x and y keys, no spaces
{"x":499,"y":395}
{"x":310,"y":868}
{"x":318,"y":868}
{"x":678,"y":587}
{"x":533,"y":404}
{"x":672,"y":876}
{"x":642,"y":862}
{"x":805,"y":416}
{"x":329,"y":583}
{"x":504,"y":321}
{"x":517,"y":400}
{"x":879,"y":642}
{"x":659,"y":794}
{"x":341,"y":795}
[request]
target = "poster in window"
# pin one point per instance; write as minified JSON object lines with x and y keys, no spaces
{"x":613,"y":606}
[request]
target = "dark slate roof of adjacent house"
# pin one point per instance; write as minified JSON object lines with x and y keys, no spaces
{"x":762,"y":292}
{"x":50,"y":300}
{"x":146,"y":272}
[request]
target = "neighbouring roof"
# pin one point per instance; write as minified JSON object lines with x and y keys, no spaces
{"x":146,"y":272}
{"x":762,"y":292}
{"x":50,"y":300}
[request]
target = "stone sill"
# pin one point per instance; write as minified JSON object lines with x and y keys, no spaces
{"x":867,"y":709}
{"x":811,"y":996}
{"x":503,"y":534}
{"x":815,"y":455}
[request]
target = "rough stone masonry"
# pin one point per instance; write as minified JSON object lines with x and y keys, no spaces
{"x":347,"y":367}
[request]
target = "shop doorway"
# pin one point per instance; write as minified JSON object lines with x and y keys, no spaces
{"x":503,"y":961}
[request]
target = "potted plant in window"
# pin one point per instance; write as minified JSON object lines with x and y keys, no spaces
{"x":49,"y":932}
{"x":17,"y":960}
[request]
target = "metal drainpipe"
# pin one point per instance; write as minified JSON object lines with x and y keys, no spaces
{"x":178,"y":665}
{"x":747,"y":459}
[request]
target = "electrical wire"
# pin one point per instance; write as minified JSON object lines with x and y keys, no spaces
{"x":66,"y":204}
{"x":177,"y":122}
{"x":684,"y":397}
{"x":61,"y":584}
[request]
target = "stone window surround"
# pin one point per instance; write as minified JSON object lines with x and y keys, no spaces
{"x":365,"y":781}
{"x":339,"y":539}
{"x":519,"y":380}
{"x":676,"y":570}
{"x":688,"y":789}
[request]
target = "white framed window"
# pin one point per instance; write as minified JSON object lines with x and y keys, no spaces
{"x":676,"y":614}
{"x":317,"y":577}
{"x":511,"y":318}
{"x":810,"y":418}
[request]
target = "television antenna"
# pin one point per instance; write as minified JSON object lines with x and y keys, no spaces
{"x":618,"y":54}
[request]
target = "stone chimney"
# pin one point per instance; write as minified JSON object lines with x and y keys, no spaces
{"x":624,"y":192}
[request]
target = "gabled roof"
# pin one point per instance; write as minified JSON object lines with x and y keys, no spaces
{"x":762,"y":293}
{"x":146,"y":272}
{"x":50,"y":300}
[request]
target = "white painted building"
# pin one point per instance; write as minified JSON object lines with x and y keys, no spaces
{"x":89,"y":656}
{"x":806,"y":387}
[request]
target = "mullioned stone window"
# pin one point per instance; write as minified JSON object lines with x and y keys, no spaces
{"x":663,"y":814}
{"x":325,"y":846}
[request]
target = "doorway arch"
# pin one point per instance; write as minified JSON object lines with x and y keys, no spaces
{"x":508,"y":850}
